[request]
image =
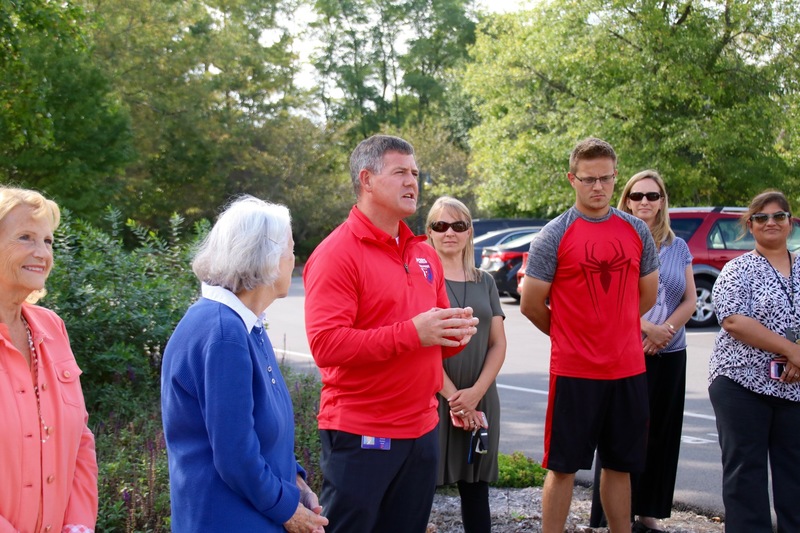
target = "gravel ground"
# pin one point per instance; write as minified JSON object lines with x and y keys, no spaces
{"x":520,"y":510}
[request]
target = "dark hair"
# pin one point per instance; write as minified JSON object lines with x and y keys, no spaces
{"x":770,"y":196}
{"x":591,"y":148}
{"x":369,"y":155}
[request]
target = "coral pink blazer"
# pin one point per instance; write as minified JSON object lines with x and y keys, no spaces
{"x":56,"y":479}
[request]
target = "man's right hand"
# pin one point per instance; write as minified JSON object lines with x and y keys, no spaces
{"x":445,"y":327}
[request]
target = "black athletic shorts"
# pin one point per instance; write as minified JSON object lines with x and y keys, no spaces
{"x":611,"y":416}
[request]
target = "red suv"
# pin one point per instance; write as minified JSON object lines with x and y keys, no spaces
{"x":714,"y":236}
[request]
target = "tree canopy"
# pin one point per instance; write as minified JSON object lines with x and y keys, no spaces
{"x":159,"y":107}
{"x":705,"y":92}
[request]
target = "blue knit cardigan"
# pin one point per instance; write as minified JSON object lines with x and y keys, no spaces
{"x":228,"y":425}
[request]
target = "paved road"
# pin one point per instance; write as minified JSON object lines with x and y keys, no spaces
{"x":523,"y":384}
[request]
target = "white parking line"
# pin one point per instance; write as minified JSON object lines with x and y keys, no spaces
{"x":522,"y":389}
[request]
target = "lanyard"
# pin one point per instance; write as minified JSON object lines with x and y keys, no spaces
{"x":790,"y":291}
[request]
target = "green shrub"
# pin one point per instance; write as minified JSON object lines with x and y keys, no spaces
{"x":120,"y":306}
{"x":518,"y":471}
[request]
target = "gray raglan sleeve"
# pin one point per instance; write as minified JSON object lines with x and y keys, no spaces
{"x":543,"y":253}
{"x":650,"y":262}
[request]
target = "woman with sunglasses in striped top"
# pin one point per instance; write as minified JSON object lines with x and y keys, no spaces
{"x":469,"y":376}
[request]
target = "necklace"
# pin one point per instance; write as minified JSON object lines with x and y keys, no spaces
{"x":35,"y":373}
{"x":453,"y":292}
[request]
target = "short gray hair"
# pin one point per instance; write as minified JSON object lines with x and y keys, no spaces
{"x":369,"y":155}
{"x":245,"y":246}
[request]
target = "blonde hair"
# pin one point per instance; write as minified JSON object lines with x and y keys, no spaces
{"x":661,"y":230}
{"x":43,"y":209}
{"x":11,"y":197}
{"x":461,"y":212}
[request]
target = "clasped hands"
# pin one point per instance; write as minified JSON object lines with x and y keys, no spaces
{"x":308,"y":516}
{"x":656,"y":338}
{"x":450,"y":327}
{"x":463,"y":404}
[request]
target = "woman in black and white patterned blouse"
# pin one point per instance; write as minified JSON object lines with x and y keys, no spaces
{"x":755,"y":373}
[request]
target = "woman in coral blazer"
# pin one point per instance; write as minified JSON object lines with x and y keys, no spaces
{"x":47,"y":456}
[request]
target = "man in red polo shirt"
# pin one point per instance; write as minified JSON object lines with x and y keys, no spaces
{"x":379,"y":323}
{"x":591,"y":273}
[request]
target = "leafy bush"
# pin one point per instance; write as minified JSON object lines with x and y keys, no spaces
{"x":518,"y":471}
{"x":120,"y":306}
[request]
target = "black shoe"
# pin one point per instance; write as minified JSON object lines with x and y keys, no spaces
{"x":638,"y":527}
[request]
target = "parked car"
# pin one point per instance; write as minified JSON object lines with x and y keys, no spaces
{"x":714,"y":237}
{"x":504,"y":260}
{"x":521,"y":272}
{"x":481,"y":226}
{"x":497,"y":237}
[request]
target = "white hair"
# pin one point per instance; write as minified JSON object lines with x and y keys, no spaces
{"x":245,"y":246}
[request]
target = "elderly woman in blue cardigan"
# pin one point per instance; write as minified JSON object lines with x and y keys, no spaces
{"x":227,"y":413}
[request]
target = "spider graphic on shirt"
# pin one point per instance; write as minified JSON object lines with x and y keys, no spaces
{"x":600,"y":270}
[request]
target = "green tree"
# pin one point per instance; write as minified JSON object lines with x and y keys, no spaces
{"x":384,"y":63}
{"x":444,"y":30}
{"x":201,"y":79}
{"x":23,"y":118}
{"x":698,"y":90}
{"x":62,"y":130}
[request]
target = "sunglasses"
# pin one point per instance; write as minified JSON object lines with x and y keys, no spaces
{"x":459,"y":226}
{"x":651,"y":196}
{"x":762,"y":218}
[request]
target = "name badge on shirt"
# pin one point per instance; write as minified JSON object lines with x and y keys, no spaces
{"x":376,"y":443}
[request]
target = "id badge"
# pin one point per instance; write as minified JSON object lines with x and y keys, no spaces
{"x":792,"y":334}
{"x":376,"y":443}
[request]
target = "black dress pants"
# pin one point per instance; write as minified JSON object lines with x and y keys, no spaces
{"x":379,"y":491}
{"x":757,"y":432}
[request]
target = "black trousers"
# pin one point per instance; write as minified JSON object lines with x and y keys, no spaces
{"x":652,"y":489}
{"x":380,"y":491}
{"x":475,"y":513}
{"x":756,"y":430}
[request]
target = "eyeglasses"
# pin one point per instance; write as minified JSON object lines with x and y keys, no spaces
{"x":762,"y":218}
{"x":651,"y":196}
{"x":459,"y":226}
{"x":604,"y":180}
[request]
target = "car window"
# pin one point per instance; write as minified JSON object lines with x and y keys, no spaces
{"x":521,"y":240}
{"x":685,"y":227}
{"x":794,"y":238}
{"x":514,"y":235}
{"x":494,"y":237}
{"x":726,"y":234}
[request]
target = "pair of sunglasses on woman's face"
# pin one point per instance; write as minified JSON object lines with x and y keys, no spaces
{"x":638,"y":196}
{"x":762,"y":218}
{"x":459,"y":226}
